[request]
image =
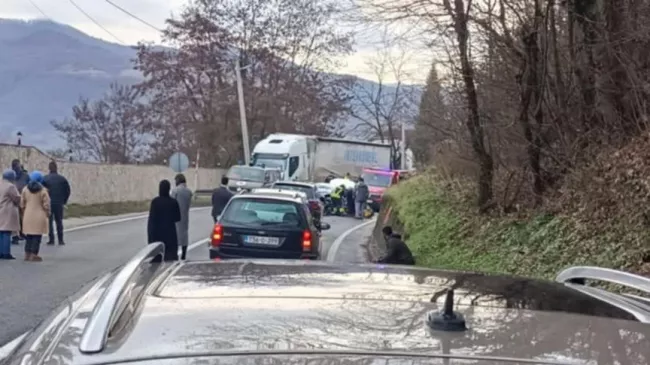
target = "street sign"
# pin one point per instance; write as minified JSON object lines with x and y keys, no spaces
{"x":179,"y":162}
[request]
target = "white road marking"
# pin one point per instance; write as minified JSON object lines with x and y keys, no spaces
{"x":194,"y":245}
{"x":119,"y":220}
{"x":331,"y":254}
{"x":337,"y":243}
{"x":10,"y":346}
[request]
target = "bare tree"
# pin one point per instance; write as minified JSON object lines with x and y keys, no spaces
{"x":113,"y":129}
{"x":382,"y":106}
{"x":281,"y":45}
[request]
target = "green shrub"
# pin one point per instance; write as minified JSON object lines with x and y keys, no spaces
{"x":443,"y":230}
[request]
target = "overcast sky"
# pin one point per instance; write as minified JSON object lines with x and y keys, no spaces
{"x":124,"y":29}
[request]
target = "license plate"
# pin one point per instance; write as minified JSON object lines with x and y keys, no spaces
{"x":261,"y":240}
{"x":369,"y":201}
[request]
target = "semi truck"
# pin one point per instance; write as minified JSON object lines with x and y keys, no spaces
{"x":313,"y":158}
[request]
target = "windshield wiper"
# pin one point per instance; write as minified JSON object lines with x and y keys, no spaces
{"x":276,"y":223}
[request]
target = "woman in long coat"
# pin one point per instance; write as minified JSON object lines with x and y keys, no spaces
{"x":9,"y":217}
{"x":163,"y":215}
{"x":183,"y":196}
{"x":35,"y":203}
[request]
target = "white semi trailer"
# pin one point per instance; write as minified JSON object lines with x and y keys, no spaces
{"x":312,"y":158}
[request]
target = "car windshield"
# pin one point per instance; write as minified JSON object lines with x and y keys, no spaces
{"x":270,"y":160}
{"x":377,"y":179}
{"x":258,"y":212}
{"x":245,"y":173}
{"x":305,"y":189}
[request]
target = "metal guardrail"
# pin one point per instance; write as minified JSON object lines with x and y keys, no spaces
{"x":114,"y":299}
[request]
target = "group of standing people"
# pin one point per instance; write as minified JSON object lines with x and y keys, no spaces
{"x":30,"y":204}
{"x":356,"y":198}
{"x":169,"y":218}
{"x":169,"y":215}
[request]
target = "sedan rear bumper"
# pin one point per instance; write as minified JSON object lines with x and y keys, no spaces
{"x":245,"y":252}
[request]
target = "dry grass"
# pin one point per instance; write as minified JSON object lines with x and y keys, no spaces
{"x":115,"y":208}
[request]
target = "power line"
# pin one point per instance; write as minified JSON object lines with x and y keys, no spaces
{"x":94,"y":21}
{"x":39,"y":9}
{"x":133,"y":16}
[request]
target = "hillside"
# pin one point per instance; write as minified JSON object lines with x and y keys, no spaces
{"x":45,"y":67}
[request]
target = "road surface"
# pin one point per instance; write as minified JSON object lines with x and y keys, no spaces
{"x":30,"y":291}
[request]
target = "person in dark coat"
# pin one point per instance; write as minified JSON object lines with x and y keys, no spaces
{"x":349,"y":198}
{"x":361,"y":195}
{"x":220,"y":198}
{"x":397,"y":252}
{"x":59,"y":190}
{"x":163,"y":215}
{"x":22,"y":178}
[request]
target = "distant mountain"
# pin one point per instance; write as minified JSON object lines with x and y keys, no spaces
{"x":45,"y":67}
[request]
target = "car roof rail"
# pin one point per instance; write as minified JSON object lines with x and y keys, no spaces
{"x":578,"y":275}
{"x":638,"y":306}
{"x":115,"y":299}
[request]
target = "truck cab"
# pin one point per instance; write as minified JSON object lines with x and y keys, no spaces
{"x":290,"y":153}
{"x":378,"y":180}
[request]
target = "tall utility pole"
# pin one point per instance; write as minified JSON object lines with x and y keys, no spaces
{"x":402,"y":149}
{"x":196,"y":169}
{"x":242,"y":114}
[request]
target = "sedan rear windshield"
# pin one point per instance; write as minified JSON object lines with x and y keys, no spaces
{"x":309,"y":191}
{"x":245,"y":173}
{"x":257,"y":212}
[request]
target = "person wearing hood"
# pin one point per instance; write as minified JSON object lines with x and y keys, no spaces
{"x":9,"y":217}
{"x":397,"y":252}
{"x":35,"y":203}
{"x":183,"y":196}
{"x":22,"y":176}
{"x":164,"y":212}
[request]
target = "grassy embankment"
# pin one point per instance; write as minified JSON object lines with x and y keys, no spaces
{"x":443,"y":230}
{"x":108,"y":209}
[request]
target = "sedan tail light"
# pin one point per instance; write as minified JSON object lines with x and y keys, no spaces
{"x":306,"y":241}
{"x":217,"y":235}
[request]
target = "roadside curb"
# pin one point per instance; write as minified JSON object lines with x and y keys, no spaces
{"x":331,"y":253}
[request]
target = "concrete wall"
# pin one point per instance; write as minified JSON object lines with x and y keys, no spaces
{"x":99,"y":183}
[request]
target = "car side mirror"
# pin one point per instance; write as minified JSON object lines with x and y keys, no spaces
{"x":322,"y":199}
{"x":325,"y":226}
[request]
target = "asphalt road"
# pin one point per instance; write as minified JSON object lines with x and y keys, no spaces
{"x":30,"y":291}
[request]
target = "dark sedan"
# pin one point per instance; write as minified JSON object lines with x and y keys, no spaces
{"x":250,"y":312}
{"x":314,"y":198}
{"x":266,"y":225}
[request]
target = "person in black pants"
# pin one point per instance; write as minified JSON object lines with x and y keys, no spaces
{"x":59,"y":190}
